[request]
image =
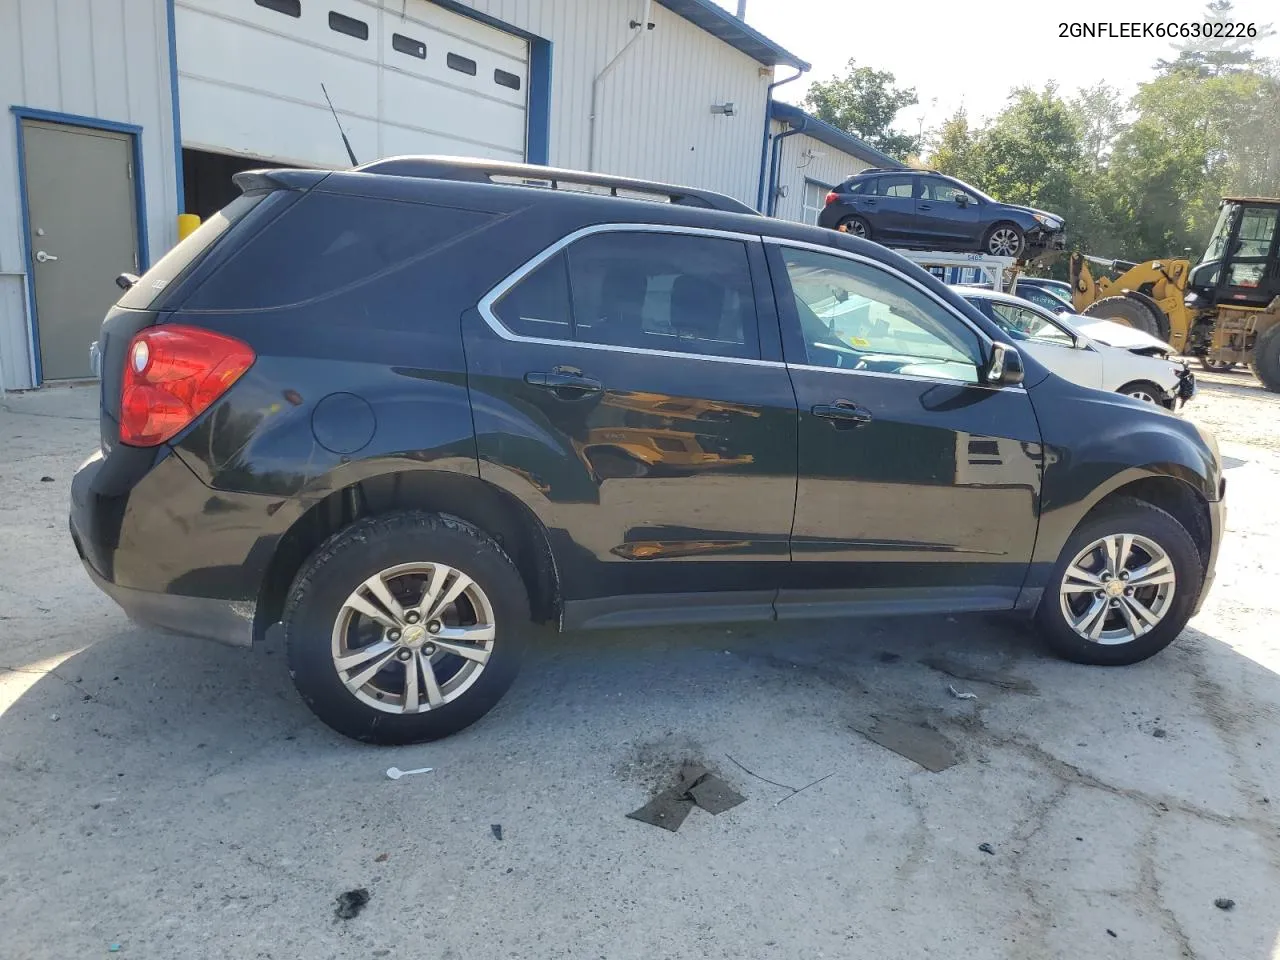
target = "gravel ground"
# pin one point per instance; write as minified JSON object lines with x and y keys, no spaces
{"x":175,"y":798}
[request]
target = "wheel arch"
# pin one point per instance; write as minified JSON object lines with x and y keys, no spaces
{"x":511,"y":523}
{"x":1176,"y":497}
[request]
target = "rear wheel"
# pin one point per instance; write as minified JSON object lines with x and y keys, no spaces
{"x":1124,"y":586}
{"x":1005,"y":240}
{"x":1144,"y":390}
{"x":856,"y":226}
{"x":406,"y":627}
{"x":1126,"y":310}
{"x":1266,"y":359}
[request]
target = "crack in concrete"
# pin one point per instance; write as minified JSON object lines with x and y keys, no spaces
{"x":1150,"y":893}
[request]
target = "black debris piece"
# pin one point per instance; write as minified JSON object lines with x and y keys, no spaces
{"x":695,"y":786}
{"x":1110,"y":932}
{"x":46,"y":479}
{"x":912,"y":738}
{"x":1159,"y":733}
{"x":987,"y":848}
{"x":350,"y":903}
{"x":714,"y":795}
{"x":497,"y":830}
{"x":667,"y":810}
{"x":1224,"y":903}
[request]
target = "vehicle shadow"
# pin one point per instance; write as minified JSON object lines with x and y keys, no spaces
{"x":143,"y":754}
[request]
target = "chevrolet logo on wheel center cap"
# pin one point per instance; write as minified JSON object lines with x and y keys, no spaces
{"x":1114,"y":588}
{"x":413,"y":635}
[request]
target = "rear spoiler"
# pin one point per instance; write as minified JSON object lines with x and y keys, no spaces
{"x":250,"y":181}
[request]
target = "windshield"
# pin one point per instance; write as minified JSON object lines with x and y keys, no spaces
{"x":972,"y":189}
{"x":1025,"y":322}
{"x":1221,"y":230}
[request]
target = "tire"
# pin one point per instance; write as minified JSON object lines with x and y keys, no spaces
{"x":1216,"y":366}
{"x":1266,"y":359}
{"x":1144,"y":390}
{"x":1126,"y":310}
{"x":1005,"y":239}
{"x":855,"y":226}
{"x":1143,"y":522}
{"x":320,"y":626}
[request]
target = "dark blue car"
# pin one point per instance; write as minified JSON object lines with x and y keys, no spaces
{"x":926,"y":210}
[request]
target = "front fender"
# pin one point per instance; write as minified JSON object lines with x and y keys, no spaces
{"x":1098,"y":443}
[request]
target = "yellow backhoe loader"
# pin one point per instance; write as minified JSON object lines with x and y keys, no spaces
{"x":1225,"y":310}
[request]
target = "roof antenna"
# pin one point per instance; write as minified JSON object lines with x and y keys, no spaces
{"x":345,"y":142}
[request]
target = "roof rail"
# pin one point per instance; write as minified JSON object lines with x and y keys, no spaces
{"x":476,"y":170}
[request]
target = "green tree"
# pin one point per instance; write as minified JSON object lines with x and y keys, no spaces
{"x":1217,"y":50}
{"x":1031,"y":152}
{"x":955,"y":149}
{"x":1099,"y":114}
{"x":865,"y":102}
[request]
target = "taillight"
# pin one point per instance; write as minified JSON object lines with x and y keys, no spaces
{"x":172,"y":374}
{"x":832,"y":197}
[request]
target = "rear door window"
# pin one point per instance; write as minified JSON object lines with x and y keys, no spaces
{"x":639,"y":289}
{"x":326,"y":243}
{"x":895,"y":186}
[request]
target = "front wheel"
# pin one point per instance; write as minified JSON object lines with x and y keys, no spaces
{"x":405,"y":628}
{"x":1124,"y":586}
{"x":1005,"y":240}
{"x":1144,"y":390}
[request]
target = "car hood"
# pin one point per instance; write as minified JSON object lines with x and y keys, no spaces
{"x":1044,"y":213}
{"x":1118,"y":335}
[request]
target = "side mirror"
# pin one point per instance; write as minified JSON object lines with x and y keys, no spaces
{"x":1004,"y":369}
{"x":126,"y":280}
{"x":961,"y":200}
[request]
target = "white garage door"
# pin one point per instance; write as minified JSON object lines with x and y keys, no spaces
{"x":413,"y":78}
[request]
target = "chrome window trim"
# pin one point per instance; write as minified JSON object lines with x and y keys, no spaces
{"x":503,"y":287}
{"x":938,"y":381}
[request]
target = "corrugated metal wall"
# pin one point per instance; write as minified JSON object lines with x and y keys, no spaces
{"x":655,"y":116}
{"x":806,"y":159}
{"x":107,"y":59}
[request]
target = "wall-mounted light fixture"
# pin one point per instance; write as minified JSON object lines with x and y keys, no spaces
{"x":727,"y":108}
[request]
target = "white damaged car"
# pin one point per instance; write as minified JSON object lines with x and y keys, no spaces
{"x":1090,"y":352}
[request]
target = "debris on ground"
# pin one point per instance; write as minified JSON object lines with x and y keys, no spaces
{"x":1224,"y":903}
{"x":784,"y":786}
{"x":113,"y":948}
{"x":46,"y":479}
{"x":350,"y":903}
{"x":381,"y":858}
{"x":54,"y":717}
{"x":695,"y":786}
{"x":1159,"y":733}
{"x":1111,"y":933}
{"x":964,"y":671}
{"x":496,"y":828}
{"x":395,"y":773}
{"x":987,"y":848}
{"x":961,"y":695}
{"x":913,"y":739}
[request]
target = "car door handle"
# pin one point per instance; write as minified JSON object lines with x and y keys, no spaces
{"x":924,"y":206}
{"x":569,"y":382}
{"x":842,"y":413}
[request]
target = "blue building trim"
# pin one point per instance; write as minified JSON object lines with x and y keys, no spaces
{"x":537,"y":148}
{"x":171,"y":17}
{"x":538,"y":138}
{"x":723,"y":25}
{"x":140,"y":200}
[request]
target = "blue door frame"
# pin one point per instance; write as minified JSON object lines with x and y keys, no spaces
{"x":140,"y":199}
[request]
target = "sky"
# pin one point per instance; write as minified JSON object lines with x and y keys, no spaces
{"x":972,"y":54}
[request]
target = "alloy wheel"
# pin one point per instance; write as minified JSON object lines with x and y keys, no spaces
{"x":1117,"y":589}
{"x":413,"y":637}
{"x":1142,"y":395}
{"x":856,"y":227}
{"x":1004,"y":242}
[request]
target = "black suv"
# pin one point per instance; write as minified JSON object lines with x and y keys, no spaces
{"x":411,"y":408}
{"x":918,"y":208}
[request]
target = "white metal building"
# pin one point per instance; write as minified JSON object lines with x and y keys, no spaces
{"x":125,"y":113}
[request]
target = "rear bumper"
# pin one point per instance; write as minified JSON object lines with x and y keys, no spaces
{"x":172,"y":552}
{"x":227,"y":621}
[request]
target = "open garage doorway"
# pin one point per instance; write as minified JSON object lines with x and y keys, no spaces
{"x":207,"y":186}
